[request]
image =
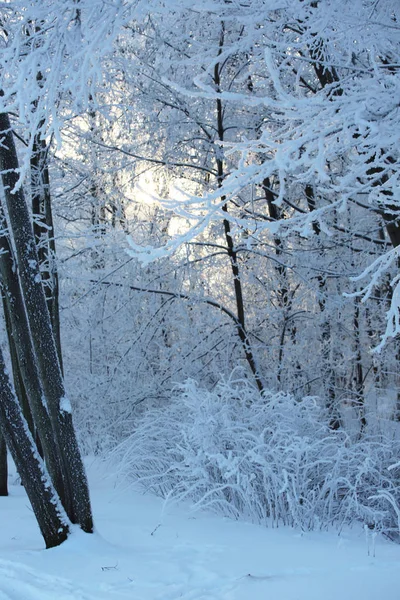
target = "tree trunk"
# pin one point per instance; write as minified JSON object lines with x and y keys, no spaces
{"x":3,"y":468}
{"x":17,"y":378}
{"x":285,"y":296}
{"x":46,"y":505}
{"x":77,"y":492}
{"x":358,"y":376}
{"x":24,"y":367}
{"x":98,"y":208}
{"x":44,"y":235}
{"x":326,"y":334}
{"x":241,"y":327}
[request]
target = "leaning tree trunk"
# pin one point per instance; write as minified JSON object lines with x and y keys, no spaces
{"x":26,"y":376}
{"x":3,"y":468}
{"x":46,"y":505}
{"x":77,"y":491}
{"x":16,"y":371}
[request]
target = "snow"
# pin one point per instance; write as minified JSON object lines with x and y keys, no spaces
{"x":144,"y":549}
{"x":65,"y":405}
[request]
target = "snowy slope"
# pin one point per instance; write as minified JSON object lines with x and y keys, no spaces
{"x":145,"y":551}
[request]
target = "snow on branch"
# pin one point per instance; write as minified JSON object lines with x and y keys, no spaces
{"x":374,"y":272}
{"x":269,"y":459}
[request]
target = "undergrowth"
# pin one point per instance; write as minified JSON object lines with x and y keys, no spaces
{"x":270,"y":459}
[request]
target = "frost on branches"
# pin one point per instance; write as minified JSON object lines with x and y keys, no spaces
{"x":332,"y":120}
{"x":271,"y":459}
{"x":322,"y":82}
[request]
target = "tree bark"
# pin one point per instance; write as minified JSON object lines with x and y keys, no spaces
{"x":3,"y":468}
{"x":358,"y":376}
{"x":17,"y":378}
{"x":24,"y":366}
{"x":237,"y":284}
{"x":44,"y":236}
{"x":45,"y":502}
{"x":77,"y":493}
{"x":285,"y":296}
{"x":326,"y":334}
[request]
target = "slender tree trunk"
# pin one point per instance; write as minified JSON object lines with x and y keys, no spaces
{"x":358,"y":376}
{"x":326,"y":334}
{"x":285,"y":296}
{"x":237,"y":284}
{"x":3,"y":467}
{"x":98,"y":208}
{"x":77,"y":493}
{"x":43,"y":229}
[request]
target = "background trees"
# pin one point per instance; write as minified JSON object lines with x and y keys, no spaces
{"x":254,"y":105}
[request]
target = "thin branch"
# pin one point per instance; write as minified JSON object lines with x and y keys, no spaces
{"x":208,"y":301}
{"x":155,"y":160}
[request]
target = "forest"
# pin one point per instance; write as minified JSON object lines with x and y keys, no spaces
{"x":200,"y":253}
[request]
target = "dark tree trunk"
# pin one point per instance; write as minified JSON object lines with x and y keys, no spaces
{"x":98,"y":208}
{"x":237,"y":284}
{"x":285,"y":296}
{"x":3,"y":467}
{"x":26,"y":376}
{"x":44,"y":500}
{"x":17,"y":377}
{"x":43,"y":230}
{"x":77,"y":493}
{"x":358,"y":376}
{"x":326,"y":334}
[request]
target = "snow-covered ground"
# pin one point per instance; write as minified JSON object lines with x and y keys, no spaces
{"x":144,"y":550}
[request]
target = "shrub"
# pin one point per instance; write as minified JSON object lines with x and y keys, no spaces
{"x":270,"y":459}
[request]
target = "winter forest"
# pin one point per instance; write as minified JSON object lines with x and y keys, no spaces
{"x":200,"y":264}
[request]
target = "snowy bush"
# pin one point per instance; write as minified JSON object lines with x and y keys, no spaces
{"x":270,"y":459}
